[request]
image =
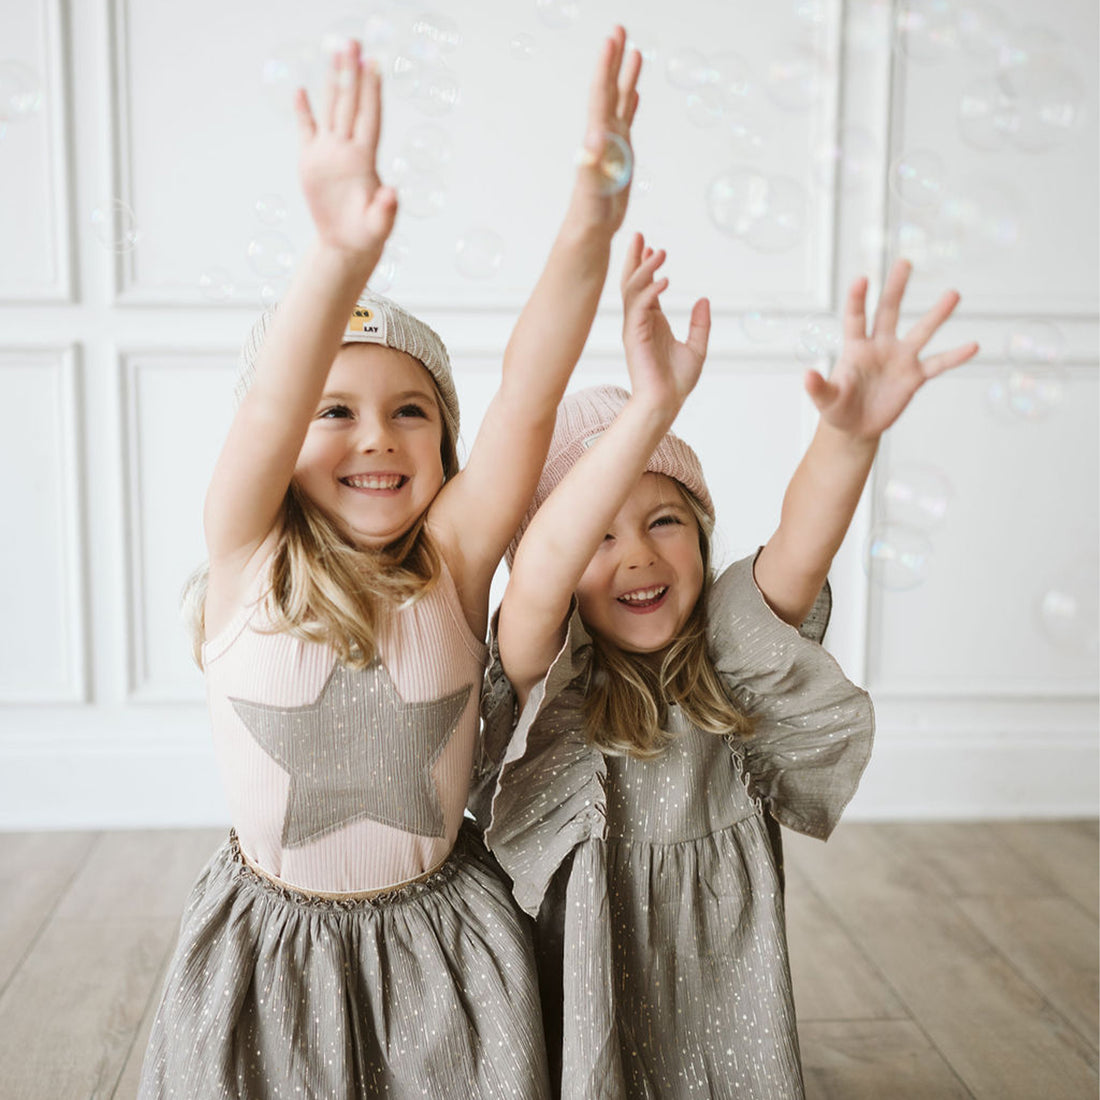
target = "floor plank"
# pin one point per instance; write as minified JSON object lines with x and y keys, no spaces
{"x":35,"y":871}
{"x":1067,"y":852}
{"x":873,"y":1060}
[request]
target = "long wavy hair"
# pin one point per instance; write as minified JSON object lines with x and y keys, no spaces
{"x":628,"y":695}
{"x":322,"y":588}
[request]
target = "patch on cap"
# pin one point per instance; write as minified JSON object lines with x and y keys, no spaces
{"x":365,"y":326}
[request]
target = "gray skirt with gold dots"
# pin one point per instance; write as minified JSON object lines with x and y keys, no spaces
{"x":427,"y":990}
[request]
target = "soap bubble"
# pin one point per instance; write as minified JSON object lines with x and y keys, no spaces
{"x":440,"y":31}
{"x":706,"y":105}
{"x":926,"y":30}
{"x":429,"y":85}
{"x":1029,"y":393}
{"x":768,"y":213}
{"x":522,"y":46}
{"x":270,"y":254}
{"x":217,"y":285}
{"x":425,"y":148}
{"x":852,"y":160}
{"x":115,"y":226}
{"x":271,"y":209}
{"x":797,"y":79}
{"x":421,"y":194}
{"x":917,"y":177}
{"x":915,"y":495}
{"x":615,"y":164}
{"x":20,"y":91}
{"x":389,"y":265}
{"x":558,"y":14}
{"x":985,"y":114}
{"x":376,"y":33}
{"x":688,"y":69}
{"x":284,"y":71}
{"x":981,"y":220}
{"x":479,"y":253}
{"x":818,"y":338}
{"x":764,"y":324}
{"x":1035,"y":341}
{"x":1048,"y":102}
{"x":897,"y":558}
{"x":1068,"y":608}
{"x":983,"y":29}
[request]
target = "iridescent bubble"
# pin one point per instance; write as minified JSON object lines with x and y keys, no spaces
{"x":20,"y":91}
{"x":983,"y":29}
{"x":926,"y":30}
{"x":431,"y":86}
{"x":764,"y":324}
{"x":868,"y":22}
{"x":270,"y":254}
{"x":748,"y":133}
{"x":852,"y":160}
{"x":271,"y":209}
{"x":768,"y":213}
{"x":1068,"y":608}
{"x":426,"y":148}
{"x":642,"y":183}
{"x":522,"y":46}
{"x":375,"y":32}
{"x":687,"y":69}
{"x":615,"y":164}
{"x":389,"y":266}
{"x":818,"y":338}
{"x":815,"y":13}
{"x":982,"y":220}
{"x":918,"y":177}
{"x":733,"y":74}
{"x":284,"y":70}
{"x":440,"y":30}
{"x":558,"y":14}
{"x":1035,"y":341}
{"x":986,"y":115}
{"x":422,"y":194}
{"x":649,"y":53}
{"x":897,"y":558}
{"x":479,"y":253}
{"x":270,"y":293}
{"x":1048,"y":100}
{"x":915,"y":495}
{"x":1028,"y":393}
{"x":115,"y":225}
{"x":797,"y":79}
{"x":217,"y":285}
{"x":706,"y":105}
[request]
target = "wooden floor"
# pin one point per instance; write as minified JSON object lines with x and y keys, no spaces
{"x":930,"y":961}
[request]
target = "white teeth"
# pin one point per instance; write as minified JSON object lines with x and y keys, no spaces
{"x":374,"y":481}
{"x":644,"y":594}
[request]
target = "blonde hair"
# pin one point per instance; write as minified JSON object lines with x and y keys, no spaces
{"x":325,"y":589}
{"x":627,"y":699}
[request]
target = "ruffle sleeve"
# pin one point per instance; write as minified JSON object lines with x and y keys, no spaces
{"x":813,"y":728}
{"x":550,"y":793}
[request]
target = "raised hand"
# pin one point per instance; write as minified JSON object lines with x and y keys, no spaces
{"x":877,"y":375}
{"x":612,"y":101}
{"x":660,"y":366}
{"x":351,"y":209}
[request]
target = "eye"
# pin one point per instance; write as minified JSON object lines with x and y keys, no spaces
{"x":412,"y":409}
{"x":665,"y":520}
{"x":335,"y":412}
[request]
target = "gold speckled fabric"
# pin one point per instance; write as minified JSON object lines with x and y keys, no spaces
{"x":661,"y":937}
{"x":427,"y":990}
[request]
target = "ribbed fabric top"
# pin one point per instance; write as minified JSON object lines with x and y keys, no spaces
{"x":343,"y":780}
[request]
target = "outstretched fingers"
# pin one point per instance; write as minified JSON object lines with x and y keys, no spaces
{"x":307,"y":125}
{"x":699,"y":328}
{"x":923,"y":331}
{"x":889,"y":303}
{"x":821,"y":391}
{"x":348,"y":82}
{"x":368,"y":118}
{"x":946,"y":360}
{"x":855,"y":310}
{"x":628,"y":89}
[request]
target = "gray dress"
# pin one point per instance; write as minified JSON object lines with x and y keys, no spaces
{"x":656,"y":884}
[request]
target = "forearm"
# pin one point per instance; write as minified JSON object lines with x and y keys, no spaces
{"x":817,"y":510}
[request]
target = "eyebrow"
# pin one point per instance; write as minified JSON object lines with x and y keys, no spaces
{"x":669,"y":506}
{"x":338,"y":395}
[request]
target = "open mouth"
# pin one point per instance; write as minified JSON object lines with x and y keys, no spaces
{"x":385,"y":483}
{"x":643,"y":599}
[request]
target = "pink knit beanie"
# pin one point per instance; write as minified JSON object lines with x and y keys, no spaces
{"x":582,"y":418}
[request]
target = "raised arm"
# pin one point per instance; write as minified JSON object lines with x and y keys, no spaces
{"x":353,"y":215}
{"x":477,"y":513}
{"x":567,"y":530}
{"x":873,"y":381}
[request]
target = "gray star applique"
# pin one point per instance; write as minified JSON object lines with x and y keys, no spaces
{"x":359,"y":751}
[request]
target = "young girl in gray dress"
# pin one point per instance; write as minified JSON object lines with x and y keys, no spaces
{"x":657,"y":716}
{"x":353,"y":938}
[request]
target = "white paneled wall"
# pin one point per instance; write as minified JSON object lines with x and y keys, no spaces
{"x":148,"y":205}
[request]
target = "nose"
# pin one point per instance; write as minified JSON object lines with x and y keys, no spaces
{"x":375,"y":436}
{"x":636,"y":553}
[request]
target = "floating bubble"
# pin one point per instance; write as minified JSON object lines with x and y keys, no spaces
{"x":284,"y":70}
{"x":522,"y":46}
{"x":926,"y":30}
{"x":867,"y":24}
{"x":440,"y":30}
{"x":916,"y":496}
{"x":375,"y":32}
{"x":768,"y":213}
{"x":706,"y":105}
{"x":985,"y":114}
{"x":387,"y":269}
{"x":479,"y":253}
{"x":115,"y":226}
{"x":981,"y":220}
{"x":748,"y":132}
{"x":270,"y":293}
{"x":422,"y":194}
{"x":797,"y":79}
{"x":897,"y":558}
{"x":1047,"y":97}
{"x":917,"y":177}
{"x":649,"y":53}
{"x":1028,"y":393}
{"x":687,"y":70}
{"x":852,"y":160}
{"x":814,"y":13}
{"x":558,"y":14}
{"x":217,"y":285}
{"x":733,"y":74}
{"x":818,"y":338}
{"x":615,"y":164}
{"x":270,"y":254}
{"x":426,"y":148}
{"x":1068,"y":609}
{"x":983,"y":29}
{"x":271,"y":209}
{"x":20,"y":91}
{"x":429,"y":85}
{"x":1035,"y":341}
{"x":642,"y":184}
{"x":763,"y":324}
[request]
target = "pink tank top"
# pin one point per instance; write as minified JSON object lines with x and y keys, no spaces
{"x":340,"y":779}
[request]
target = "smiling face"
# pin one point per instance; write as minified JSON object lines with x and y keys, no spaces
{"x":371,"y":457}
{"x":641,"y":586}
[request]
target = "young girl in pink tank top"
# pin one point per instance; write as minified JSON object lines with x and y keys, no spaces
{"x":353,"y":937}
